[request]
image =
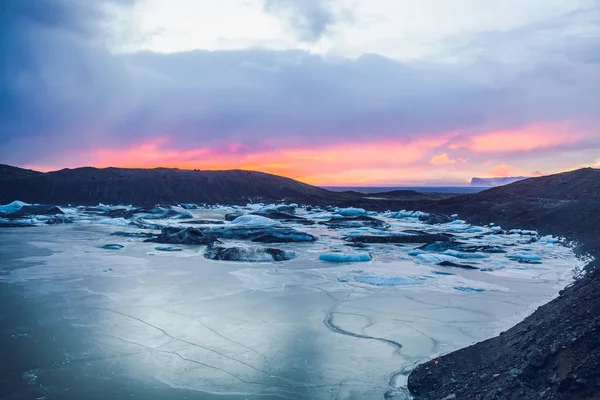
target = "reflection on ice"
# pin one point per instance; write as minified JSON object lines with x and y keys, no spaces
{"x":259,"y":327}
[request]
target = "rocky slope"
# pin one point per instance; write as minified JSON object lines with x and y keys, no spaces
{"x":555,"y":352}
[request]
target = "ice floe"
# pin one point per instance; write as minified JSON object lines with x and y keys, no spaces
{"x":345,"y":257}
{"x":12,"y":207}
{"x":351,"y":212}
{"x":382,"y":280}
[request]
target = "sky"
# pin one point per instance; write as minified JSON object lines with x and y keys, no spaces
{"x":330,"y":92}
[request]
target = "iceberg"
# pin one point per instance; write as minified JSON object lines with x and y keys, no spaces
{"x":253,"y":221}
{"x":468,"y":289}
{"x":351,"y":212}
{"x":381,"y":280}
{"x":345,"y":257}
{"x":179,"y":235}
{"x":189,"y":206}
{"x":168,"y":248}
{"x":525,"y":257}
{"x":406,"y":214}
{"x":12,"y":207}
{"x":436,"y":272}
{"x":359,"y":221}
{"x":248,"y":254}
{"x":258,"y":229}
{"x":548,"y":239}
{"x":435,"y":258}
{"x":460,"y":254}
{"x":112,"y":246}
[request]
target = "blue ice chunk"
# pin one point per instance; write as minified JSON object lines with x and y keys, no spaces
{"x":168,"y":248}
{"x":351,"y":212}
{"x":468,"y":289}
{"x":382,"y":280}
{"x":491,"y":269}
{"x":112,"y":246}
{"x":525,"y":257}
{"x":345,"y":257}
{"x":442,"y":272}
{"x":463,"y":255}
{"x":12,"y":207}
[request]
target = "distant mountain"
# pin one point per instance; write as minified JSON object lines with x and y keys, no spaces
{"x":492,"y":182}
{"x":90,"y":186}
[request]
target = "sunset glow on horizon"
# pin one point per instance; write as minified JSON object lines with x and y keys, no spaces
{"x":346,"y":164}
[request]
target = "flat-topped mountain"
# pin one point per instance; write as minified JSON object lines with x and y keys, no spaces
{"x":491,"y":182}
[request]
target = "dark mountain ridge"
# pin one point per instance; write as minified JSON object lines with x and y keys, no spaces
{"x":147,"y":187}
{"x":87,"y":186}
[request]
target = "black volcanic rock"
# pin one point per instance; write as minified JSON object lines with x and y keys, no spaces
{"x":178,"y":235}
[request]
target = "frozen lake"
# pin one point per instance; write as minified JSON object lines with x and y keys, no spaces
{"x":82,"y":320}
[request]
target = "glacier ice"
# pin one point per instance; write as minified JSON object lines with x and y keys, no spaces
{"x":376,"y":280}
{"x":12,"y":207}
{"x":525,"y":257}
{"x":345,"y":257}
{"x":255,"y":221}
{"x":463,"y":255}
{"x":351,"y":212}
{"x":468,"y":289}
{"x":112,"y":246}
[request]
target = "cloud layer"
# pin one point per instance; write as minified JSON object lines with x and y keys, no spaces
{"x":509,"y":99}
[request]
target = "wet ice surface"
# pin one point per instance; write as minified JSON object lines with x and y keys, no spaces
{"x":303,"y":328}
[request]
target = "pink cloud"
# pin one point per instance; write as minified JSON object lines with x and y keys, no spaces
{"x":441,"y":159}
{"x":525,"y":139}
{"x":503,"y":170}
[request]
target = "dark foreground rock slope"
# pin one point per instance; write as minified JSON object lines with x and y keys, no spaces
{"x":555,"y":352}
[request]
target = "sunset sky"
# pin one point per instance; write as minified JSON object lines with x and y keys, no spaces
{"x":330,"y":92}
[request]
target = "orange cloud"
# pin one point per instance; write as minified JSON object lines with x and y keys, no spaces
{"x":342,"y":164}
{"x":442,"y":159}
{"x":503,"y":170}
{"x":525,"y":139}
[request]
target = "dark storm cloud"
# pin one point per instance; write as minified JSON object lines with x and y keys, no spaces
{"x":62,"y":92}
{"x":310,"y":19}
